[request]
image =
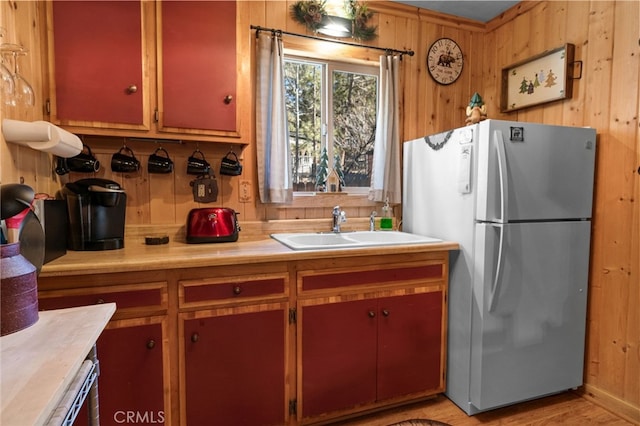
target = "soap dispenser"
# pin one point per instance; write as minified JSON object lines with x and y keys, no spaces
{"x":386,"y":222}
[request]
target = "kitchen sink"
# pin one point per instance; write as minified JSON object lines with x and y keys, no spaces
{"x":330,"y":240}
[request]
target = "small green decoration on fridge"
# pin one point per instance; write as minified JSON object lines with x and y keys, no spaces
{"x":476,"y":110}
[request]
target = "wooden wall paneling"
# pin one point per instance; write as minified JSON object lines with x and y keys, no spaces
{"x":623,"y":163}
{"x":412,"y":76}
{"x":493,"y":56}
{"x":598,"y":75}
{"x":247,"y":155}
{"x":577,"y":27}
{"x":415,"y":88}
{"x":474,"y":69}
{"x":430,"y":120}
{"x":23,"y":23}
{"x":450,"y":96}
{"x":161,"y":204}
{"x":184,"y":196}
{"x":554,"y":36}
{"x":535,"y":44}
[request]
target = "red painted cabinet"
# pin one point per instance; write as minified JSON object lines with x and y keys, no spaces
{"x":165,"y":69}
{"x":97,"y":52}
{"x":234,"y":366}
{"x":410,"y":340}
{"x":197,"y":66}
{"x":131,"y":351}
{"x":131,"y":384}
{"x":358,"y":353}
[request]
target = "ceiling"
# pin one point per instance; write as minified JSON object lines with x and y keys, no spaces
{"x":478,"y":10}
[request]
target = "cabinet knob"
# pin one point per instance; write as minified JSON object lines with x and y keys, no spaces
{"x":99,"y":301}
{"x":372,"y":314}
{"x":237,"y":290}
{"x":195,"y":337}
{"x":132,"y":89}
{"x":385,"y":312}
{"x":228,"y":99}
{"x":151,"y":344}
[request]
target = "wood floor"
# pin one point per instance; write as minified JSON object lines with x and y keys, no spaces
{"x":564,"y":409}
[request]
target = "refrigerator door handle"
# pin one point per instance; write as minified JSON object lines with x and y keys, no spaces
{"x":498,"y":143}
{"x":497,"y":280}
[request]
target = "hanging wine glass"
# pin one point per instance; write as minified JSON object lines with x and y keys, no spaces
{"x":8,"y":84}
{"x":23,"y":90}
{"x":6,"y":76}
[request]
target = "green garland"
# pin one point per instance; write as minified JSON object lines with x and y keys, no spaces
{"x":359,"y":13}
{"x":310,"y":13}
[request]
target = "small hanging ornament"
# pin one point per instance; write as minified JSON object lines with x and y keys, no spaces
{"x":309,"y":13}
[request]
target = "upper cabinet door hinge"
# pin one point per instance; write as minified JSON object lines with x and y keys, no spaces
{"x":47,"y":106}
{"x":293,"y":316}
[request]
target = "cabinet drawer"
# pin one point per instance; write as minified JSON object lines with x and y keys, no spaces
{"x":324,"y":280}
{"x":148,"y":295}
{"x":198,"y":292}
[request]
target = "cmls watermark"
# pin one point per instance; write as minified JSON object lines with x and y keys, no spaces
{"x":139,"y":417}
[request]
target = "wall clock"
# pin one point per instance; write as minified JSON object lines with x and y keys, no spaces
{"x":444,"y":61}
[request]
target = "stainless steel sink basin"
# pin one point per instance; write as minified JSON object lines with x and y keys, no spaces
{"x":321,"y":240}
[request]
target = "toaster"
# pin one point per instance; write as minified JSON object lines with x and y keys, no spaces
{"x":212,"y":225}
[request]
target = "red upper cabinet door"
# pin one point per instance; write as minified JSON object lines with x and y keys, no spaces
{"x":98,"y":64}
{"x":197,"y":66}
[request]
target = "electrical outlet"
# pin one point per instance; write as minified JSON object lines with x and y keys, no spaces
{"x":245,"y":192}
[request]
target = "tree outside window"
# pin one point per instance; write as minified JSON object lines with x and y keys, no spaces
{"x":337,"y":99}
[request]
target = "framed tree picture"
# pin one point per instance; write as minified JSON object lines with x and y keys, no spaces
{"x":543,"y":78}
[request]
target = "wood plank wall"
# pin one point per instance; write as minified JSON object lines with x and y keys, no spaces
{"x":606,"y":36}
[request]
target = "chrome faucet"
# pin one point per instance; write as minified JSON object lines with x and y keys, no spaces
{"x":372,"y":221}
{"x":339,"y":217}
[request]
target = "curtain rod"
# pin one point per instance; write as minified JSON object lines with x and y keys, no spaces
{"x":388,"y":50}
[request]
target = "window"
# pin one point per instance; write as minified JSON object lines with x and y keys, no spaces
{"x":332,"y":110}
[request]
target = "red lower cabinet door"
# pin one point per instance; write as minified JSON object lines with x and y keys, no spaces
{"x":234,"y":369}
{"x":409,"y":344}
{"x":130,"y":385}
{"x":338,"y":356}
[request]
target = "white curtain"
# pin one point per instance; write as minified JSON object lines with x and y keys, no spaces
{"x":385,"y":172}
{"x":272,"y":136}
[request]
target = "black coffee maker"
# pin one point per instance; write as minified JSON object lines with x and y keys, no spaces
{"x":96,"y":214}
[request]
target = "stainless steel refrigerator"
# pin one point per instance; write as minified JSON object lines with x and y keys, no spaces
{"x":517,"y":197}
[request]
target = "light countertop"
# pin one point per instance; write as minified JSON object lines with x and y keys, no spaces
{"x":37,"y":364}
{"x":136,"y":256}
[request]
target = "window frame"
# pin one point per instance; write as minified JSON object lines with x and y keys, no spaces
{"x":328,"y":67}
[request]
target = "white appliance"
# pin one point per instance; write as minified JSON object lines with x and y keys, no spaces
{"x":517,"y":197}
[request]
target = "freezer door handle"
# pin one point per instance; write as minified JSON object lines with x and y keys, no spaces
{"x":497,"y":280}
{"x":498,"y":143}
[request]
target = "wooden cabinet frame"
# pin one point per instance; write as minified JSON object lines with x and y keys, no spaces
{"x":149,"y":90}
{"x":360,"y":277}
{"x":368,"y":280}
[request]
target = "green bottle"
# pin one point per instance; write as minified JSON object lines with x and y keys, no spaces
{"x":386,"y":222}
